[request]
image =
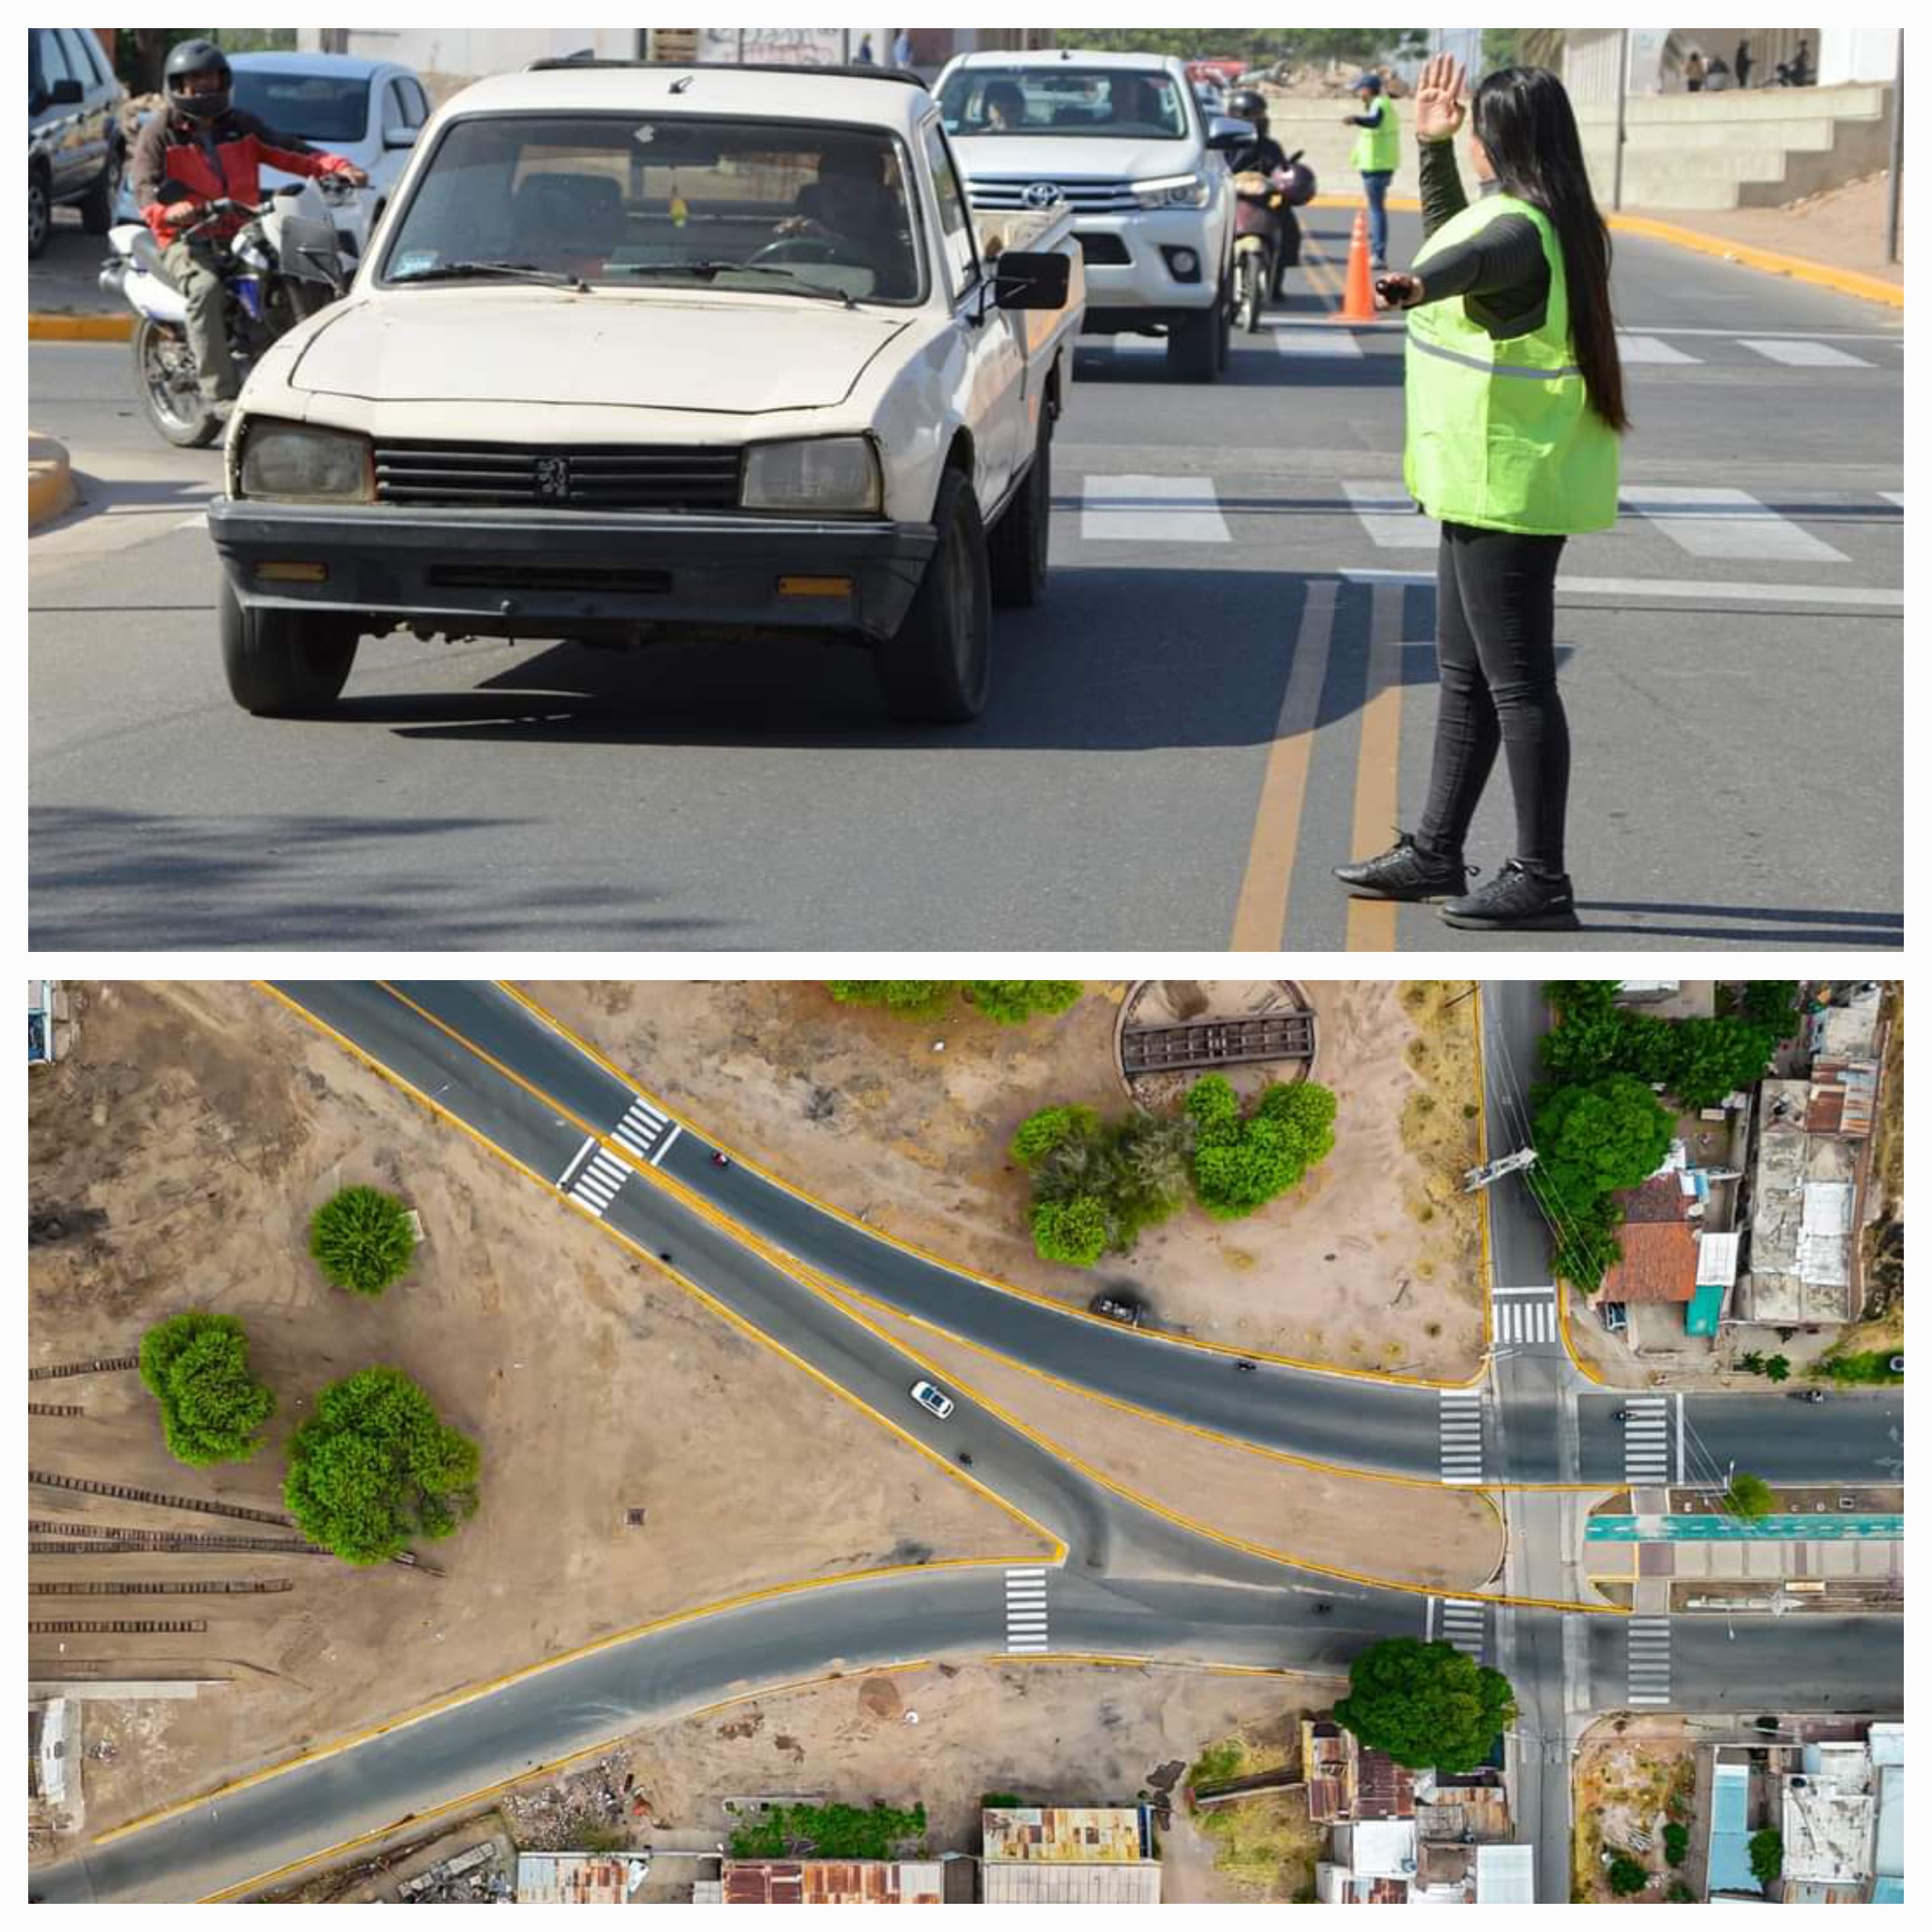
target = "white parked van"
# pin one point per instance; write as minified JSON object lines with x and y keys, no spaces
{"x":1123,"y":142}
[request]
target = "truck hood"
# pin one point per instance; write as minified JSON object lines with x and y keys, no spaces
{"x":740,"y":355}
{"x":1083,"y":158}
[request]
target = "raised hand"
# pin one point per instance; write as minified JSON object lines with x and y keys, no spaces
{"x":1439,"y":98}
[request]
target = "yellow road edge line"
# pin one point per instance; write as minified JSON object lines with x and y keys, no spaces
{"x":1846,"y":281}
{"x":1371,"y":926}
{"x":488,"y":1686}
{"x":800,"y":1193}
{"x":43,"y":326}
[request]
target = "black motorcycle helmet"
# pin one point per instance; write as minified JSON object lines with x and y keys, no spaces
{"x":1246,"y":103}
{"x":187,"y":57}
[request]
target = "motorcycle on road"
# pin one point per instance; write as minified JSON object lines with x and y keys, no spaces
{"x":1268,"y":234}
{"x":279,"y":267}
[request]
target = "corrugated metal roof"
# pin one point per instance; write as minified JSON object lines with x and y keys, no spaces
{"x":1021,"y":1883}
{"x":834,"y":1881}
{"x":1065,"y":1833}
{"x":571,"y":1878}
{"x":1505,"y":1875}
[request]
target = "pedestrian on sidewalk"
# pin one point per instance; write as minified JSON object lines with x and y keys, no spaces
{"x":1378,"y":148}
{"x":1693,"y":72}
{"x":1716,"y":76}
{"x":1741,"y":62}
{"x":1515,"y":404}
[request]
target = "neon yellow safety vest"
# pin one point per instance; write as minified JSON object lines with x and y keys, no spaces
{"x":1501,"y":434}
{"x":1378,"y":149}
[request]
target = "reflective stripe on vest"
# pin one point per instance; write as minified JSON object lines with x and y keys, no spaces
{"x":1377,"y":150}
{"x":1501,"y":435}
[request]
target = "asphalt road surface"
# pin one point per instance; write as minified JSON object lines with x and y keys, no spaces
{"x":1228,"y":689}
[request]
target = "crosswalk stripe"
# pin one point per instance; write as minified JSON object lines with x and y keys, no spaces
{"x":1026,"y":1610}
{"x":1894,"y":496}
{"x":1152,"y":509}
{"x":1718,"y":522}
{"x":1650,"y":349}
{"x":1320,"y":339}
{"x":665,"y":1145}
{"x":1387,"y":513}
{"x":1802,"y":355}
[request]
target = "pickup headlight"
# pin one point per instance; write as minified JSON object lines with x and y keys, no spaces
{"x":292,"y":464}
{"x":836,"y":474}
{"x":1174,"y":191}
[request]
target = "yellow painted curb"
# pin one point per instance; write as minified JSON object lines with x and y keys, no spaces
{"x":1846,"y":281}
{"x":41,"y":327}
{"x":49,"y":480}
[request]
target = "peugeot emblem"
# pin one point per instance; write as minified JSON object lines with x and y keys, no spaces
{"x":553,"y":476}
{"x":1041,"y":194}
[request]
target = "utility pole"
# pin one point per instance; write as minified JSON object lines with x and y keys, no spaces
{"x":1623,"y":90}
{"x":1898,"y":177}
{"x":1493,"y":1171}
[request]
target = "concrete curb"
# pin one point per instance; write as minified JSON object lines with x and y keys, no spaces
{"x":46,"y":328}
{"x":49,"y":480}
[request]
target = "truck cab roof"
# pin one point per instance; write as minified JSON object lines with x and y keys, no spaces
{"x":1050,"y":58}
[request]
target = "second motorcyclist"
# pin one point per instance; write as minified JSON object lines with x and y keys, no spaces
{"x":1264,"y":155}
{"x":200,"y":148}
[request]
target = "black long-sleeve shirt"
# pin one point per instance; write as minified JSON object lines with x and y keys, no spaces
{"x":1501,"y":272}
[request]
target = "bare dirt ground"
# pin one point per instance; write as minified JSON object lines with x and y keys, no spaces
{"x":1436,"y":1538}
{"x":1373,"y":1261}
{"x":1626,"y":1788}
{"x":1843,"y":227}
{"x":180,"y":1149}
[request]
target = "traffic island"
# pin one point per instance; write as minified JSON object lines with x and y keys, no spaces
{"x":50,"y":491}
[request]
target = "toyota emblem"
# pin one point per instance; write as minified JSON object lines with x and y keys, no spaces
{"x":1041,"y":194}
{"x":553,"y":476}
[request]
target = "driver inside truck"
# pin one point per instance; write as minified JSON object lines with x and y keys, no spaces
{"x":850,"y":209}
{"x":1003,"y":105}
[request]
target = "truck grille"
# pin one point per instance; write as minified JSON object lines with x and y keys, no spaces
{"x":1081,"y":197}
{"x":525,"y":476}
{"x":1104,"y":250}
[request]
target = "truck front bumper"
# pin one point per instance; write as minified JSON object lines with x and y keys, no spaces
{"x":564,"y":573}
{"x":1137,"y":266}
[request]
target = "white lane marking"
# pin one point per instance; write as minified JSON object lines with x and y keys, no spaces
{"x":1647,"y":1439}
{"x":1388,"y":513}
{"x":640,"y":1129}
{"x":563,"y":1180}
{"x":598,"y":1184}
{"x":1850,"y":596}
{"x":664,"y":1145}
{"x":1649,"y":349}
{"x":1152,"y":509}
{"x":1317,"y":340}
{"x":1680,"y":1436}
{"x":198,"y":521}
{"x":1648,"y":1659}
{"x":1896,"y":337}
{"x":1026,"y":1610}
{"x":1526,"y":1320}
{"x":1894,"y":496}
{"x":1802,"y":355}
{"x":1465,"y":1625}
{"x":1716,"y":522}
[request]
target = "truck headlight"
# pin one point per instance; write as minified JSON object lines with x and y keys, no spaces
{"x":1174,"y":191}
{"x":837,"y":474}
{"x":292,"y":464}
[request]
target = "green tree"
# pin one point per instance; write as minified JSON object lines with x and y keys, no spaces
{"x":1710,"y":1058}
{"x":361,"y":1239}
{"x":1039,"y":1134}
{"x":1750,"y":1498}
{"x":1778,"y":1368}
{"x":1772,"y":1004}
{"x":1767,"y":1855}
{"x":1752,"y":1363}
{"x":1592,"y":1139}
{"x":1626,"y":1876}
{"x":1676,"y":1842}
{"x":1680,"y":1893}
{"x":195,"y":1366}
{"x":1242,"y":1163}
{"x":1587,"y":1038}
{"x":829,"y":1831}
{"x":1426,"y":1704}
{"x":1149,"y":1160}
{"x":910,"y":999}
{"x":374,"y":1466}
{"x":1011,"y":1001}
{"x":1078,"y":1231}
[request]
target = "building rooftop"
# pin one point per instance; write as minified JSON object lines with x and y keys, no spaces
{"x":1023,"y":1884}
{"x":1843,"y":1098}
{"x":1848,"y":1031}
{"x":575,"y":1878}
{"x":834,"y":1881}
{"x":1377,"y":1847}
{"x":1344,"y":1781}
{"x":1659,"y":1263}
{"x":1728,"y":1864}
{"x":1066,"y":1834}
{"x":1828,"y":1831}
{"x":1804,"y":1211}
{"x":1505,"y":1875}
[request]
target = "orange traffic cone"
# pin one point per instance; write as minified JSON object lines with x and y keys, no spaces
{"x":1358,"y":300}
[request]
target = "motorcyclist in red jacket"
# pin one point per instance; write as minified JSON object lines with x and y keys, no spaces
{"x":199,"y":150}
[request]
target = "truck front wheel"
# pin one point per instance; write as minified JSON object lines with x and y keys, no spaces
{"x":934,"y":670}
{"x":285,"y":664}
{"x":1197,"y":344}
{"x":1017,"y":549}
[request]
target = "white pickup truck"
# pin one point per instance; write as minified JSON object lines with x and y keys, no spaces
{"x":653,"y":351}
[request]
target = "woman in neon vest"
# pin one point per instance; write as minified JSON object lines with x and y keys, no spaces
{"x":1515,"y":406}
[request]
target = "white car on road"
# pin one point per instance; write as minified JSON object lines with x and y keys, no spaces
{"x":927,"y":1396}
{"x":1123,"y":142}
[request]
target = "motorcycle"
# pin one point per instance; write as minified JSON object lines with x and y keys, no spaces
{"x":1267,"y":233}
{"x":279,"y":267}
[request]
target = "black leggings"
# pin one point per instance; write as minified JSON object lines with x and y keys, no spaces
{"x":1496,"y":650}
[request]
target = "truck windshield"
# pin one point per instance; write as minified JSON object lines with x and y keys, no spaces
{"x":1058,"y":100}
{"x":625,"y":200}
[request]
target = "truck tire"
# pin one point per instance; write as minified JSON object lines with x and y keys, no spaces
{"x":1197,"y":344}
{"x":98,"y":206}
{"x":39,"y":209}
{"x":934,"y":670}
{"x":1016,"y":551}
{"x":285,"y":664}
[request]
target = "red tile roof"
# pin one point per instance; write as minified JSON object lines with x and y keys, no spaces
{"x":1660,"y":1263}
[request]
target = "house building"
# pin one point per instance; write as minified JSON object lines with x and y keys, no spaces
{"x":1829,"y":1821}
{"x":1349,"y":1783}
{"x":1062,"y":1854}
{"x":1806,"y":1195}
{"x":1727,"y":1865}
{"x":577,"y":1878}
{"x":835,"y":1882}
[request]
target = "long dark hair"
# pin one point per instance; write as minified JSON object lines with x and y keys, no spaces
{"x":1522,"y":115}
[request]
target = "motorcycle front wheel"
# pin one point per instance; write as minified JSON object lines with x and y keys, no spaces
{"x":165,"y":380}
{"x":1248,"y":291}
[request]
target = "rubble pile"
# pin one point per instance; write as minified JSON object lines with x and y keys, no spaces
{"x":469,"y":1877}
{"x":578,"y":1813}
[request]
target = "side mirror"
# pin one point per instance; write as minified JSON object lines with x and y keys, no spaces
{"x":1224,"y":132}
{"x":67,"y":93}
{"x":1024,"y":279}
{"x":400,"y":137}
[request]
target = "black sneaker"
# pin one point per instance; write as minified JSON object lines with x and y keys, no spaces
{"x":1404,"y":871}
{"x":1517,"y":900}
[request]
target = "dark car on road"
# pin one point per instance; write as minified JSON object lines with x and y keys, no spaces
{"x":76,"y":149}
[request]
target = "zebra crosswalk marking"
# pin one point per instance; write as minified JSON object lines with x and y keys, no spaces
{"x":1648,"y":1661}
{"x":1152,"y":509}
{"x":1387,"y":512}
{"x":1651,"y":349}
{"x":645,"y":1131}
{"x":1026,"y":1610}
{"x":1465,"y":1625}
{"x":1319,"y":339}
{"x":1459,"y":1420}
{"x":598,"y":1180}
{"x":1718,"y":522}
{"x":1802,"y":355}
{"x":1647,"y":1439}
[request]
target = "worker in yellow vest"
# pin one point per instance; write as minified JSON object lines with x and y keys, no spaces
{"x":1515,"y":405}
{"x":1378,"y":149}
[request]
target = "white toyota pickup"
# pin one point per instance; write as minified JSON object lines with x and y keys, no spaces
{"x":648,"y":351}
{"x":1122,"y":141}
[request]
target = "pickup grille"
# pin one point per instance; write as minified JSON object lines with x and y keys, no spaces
{"x":1081,"y":197}
{"x":524,"y":476}
{"x":1102,"y":249}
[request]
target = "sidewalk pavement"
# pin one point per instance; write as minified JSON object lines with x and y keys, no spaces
{"x":49,"y":480}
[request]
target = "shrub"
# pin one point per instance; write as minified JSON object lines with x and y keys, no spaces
{"x":1772,"y":1004}
{"x":1078,"y":1231}
{"x":1000,"y":1801}
{"x":910,"y":999}
{"x":1626,"y":1876}
{"x":1778,"y":1369}
{"x":1871,"y":1365}
{"x":1767,"y":1855}
{"x":1676,"y":1843}
{"x":1039,"y":1134}
{"x":1011,"y":1002}
{"x":1680,"y":1893}
{"x":195,"y":1366}
{"x":1242,"y":1163}
{"x":374,"y":1466}
{"x":1750,"y":1498}
{"x":361,"y":1239}
{"x":1008,"y":1002}
{"x":829,"y":1831}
